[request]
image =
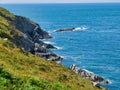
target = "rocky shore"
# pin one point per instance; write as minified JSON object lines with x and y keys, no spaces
{"x":90,"y":75}
{"x":18,"y":37}
{"x":28,"y":35}
{"x":31,"y":39}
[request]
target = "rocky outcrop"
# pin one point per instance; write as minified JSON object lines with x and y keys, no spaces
{"x":87,"y":74}
{"x":26,"y":34}
{"x":43,"y":52}
{"x":71,"y":29}
{"x":65,"y":29}
{"x":31,"y":28}
{"x":31,"y":36}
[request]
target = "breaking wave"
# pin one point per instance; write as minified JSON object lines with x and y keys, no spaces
{"x":80,"y":28}
{"x":58,"y":47}
{"x":48,"y":42}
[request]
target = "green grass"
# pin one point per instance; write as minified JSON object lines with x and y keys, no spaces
{"x":8,"y":82}
{"x":6,"y":14}
{"x":21,"y":70}
{"x":30,"y":72}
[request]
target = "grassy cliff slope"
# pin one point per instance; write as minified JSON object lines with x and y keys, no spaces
{"x":21,"y":70}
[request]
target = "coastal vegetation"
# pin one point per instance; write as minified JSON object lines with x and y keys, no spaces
{"x":21,"y":70}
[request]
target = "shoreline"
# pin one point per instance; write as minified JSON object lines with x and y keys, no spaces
{"x":30,"y":39}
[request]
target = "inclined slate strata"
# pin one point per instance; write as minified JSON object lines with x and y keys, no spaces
{"x":31,"y":35}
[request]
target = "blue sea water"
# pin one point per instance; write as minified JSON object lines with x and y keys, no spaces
{"x":97,"y":48}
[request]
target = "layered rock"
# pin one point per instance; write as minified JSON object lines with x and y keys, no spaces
{"x":32,"y":34}
{"x":27,"y":35}
{"x":87,"y":74}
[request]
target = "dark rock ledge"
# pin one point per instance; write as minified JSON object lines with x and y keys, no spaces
{"x":31,"y":39}
{"x":65,"y":30}
{"x":71,"y":29}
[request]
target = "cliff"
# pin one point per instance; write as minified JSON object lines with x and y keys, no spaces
{"x":29,"y":35}
{"x":20,"y":39}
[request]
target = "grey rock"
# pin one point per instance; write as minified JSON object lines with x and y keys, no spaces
{"x":65,"y":29}
{"x":87,"y":74}
{"x":31,"y":39}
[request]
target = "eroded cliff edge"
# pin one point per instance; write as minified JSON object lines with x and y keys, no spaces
{"x":20,"y":69}
{"x":30,"y":35}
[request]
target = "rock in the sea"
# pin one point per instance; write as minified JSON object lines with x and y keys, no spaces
{"x":65,"y":29}
{"x":71,"y":29}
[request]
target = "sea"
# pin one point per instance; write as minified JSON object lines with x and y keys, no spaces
{"x":96,"y":48}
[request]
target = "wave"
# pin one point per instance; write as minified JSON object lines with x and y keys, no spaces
{"x":48,"y":42}
{"x":58,"y":47}
{"x":110,"y":82}
{"x":80,"y":28}
{"x":50,"y":32}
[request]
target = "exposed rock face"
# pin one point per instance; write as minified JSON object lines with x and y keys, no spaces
{"x":31,"y":36}
{"x":26,"y":34}
{"x":87,"y":74}
{"x":31,"y":28}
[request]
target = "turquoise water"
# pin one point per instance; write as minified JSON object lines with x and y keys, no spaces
{"x":97,"y":48}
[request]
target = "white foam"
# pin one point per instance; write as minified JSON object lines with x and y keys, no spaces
{"x":88,"y":71}
{"x":110,"y":82}
{"x":48,"y":42}
{"x":58,"y":47}
{"x":80,"y":28}
{"x":51,"y":31}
